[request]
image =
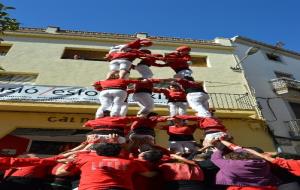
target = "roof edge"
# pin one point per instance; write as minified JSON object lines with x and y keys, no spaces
{"x":244,"y":39}
{"x":77,"y":33}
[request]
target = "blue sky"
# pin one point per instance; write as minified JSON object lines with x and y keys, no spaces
{"x":268,"y":21}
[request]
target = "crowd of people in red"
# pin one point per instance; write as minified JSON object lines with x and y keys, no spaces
{"x":120,"y":152}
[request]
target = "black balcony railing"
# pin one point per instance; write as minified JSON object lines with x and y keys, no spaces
{"x":294,"y":127}
{"x":231,"y":101}
{"x":281,"y":85}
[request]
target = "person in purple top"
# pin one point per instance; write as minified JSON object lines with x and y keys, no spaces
{"x":243,"y":169}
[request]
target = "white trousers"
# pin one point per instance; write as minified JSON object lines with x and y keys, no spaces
{"x":198,"y":101}
{"x":124,"y":109}
{"x":145,"y":101}
{"x":120,"y":64}
{"x":144,"y":70}
{"x":111,"y":99}
{"x":177,"y":108}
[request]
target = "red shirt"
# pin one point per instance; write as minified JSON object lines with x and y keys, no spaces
{"x":172,"y":95}
{"x":130,"y":56}
{"x":181,"y":129}
{"x":145,"y":85}
{"x":292,"y":166}
{"x":101,"y":172}
{"x":8,"y":162}
{"x":190,"y":86}
{"x":147,"y":122}
{"x":211,"y":124}
{"x":5,"y":163}
{"x":115,"y":83}
{"x":206,"y":123}
{"x":150,"y":61}
{"x":135,"y":44}
{"x":180,"y":171}
{"x":110,"y":122}
{"x":39,"y":167}
{"x":148,"y":183}
{"x":176,"y":61}
{"x":251,"y":188}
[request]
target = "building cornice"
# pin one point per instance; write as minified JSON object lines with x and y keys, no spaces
{"x":251,"y":42}
{"x":112,"y":37}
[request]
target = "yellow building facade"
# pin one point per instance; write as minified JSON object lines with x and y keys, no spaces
{"x":41,"y":61}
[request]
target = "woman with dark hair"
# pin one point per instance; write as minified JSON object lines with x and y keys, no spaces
{"x":242,"y":170}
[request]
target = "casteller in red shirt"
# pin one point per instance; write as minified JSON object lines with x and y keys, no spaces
{"x":102,"y":172}
{"x":292,"y":166}
{"x":130,"y":55}
{"x":114,"y":84}
{"x":208,"y":124}
{"x":36,"y":168}
{"x":180,"y":129}
{"x":8,"y":162}
{"x":176,"y":95}
{"x":176,"y":61}
{"x":138,"y":43}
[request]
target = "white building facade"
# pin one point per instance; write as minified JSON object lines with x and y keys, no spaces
{"x":273,"y":75}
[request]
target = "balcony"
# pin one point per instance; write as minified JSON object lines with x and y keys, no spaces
{"x":294,"y":128}
{"x":231,"y":101}
{"x":282,"y":85}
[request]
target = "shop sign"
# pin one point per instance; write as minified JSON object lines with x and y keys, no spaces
{"x":65,"y":119}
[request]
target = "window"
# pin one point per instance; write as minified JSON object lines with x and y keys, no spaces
{"x":283,"y":75}
{"x":199,"y":61}
{"x":51,"y":141}
{"x":273,"y":57}
{"x":17,"y":78}
{"x":84,"y":54}
{"x":51,"y":147}
{"x":296,"y":109}
{"x":4,"y":48}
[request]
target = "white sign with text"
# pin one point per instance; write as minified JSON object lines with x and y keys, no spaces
{"x":59,"y":94}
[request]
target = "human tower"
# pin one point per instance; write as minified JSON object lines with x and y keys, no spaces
{"x":182,"y":92}
{"x":120,"y":151}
